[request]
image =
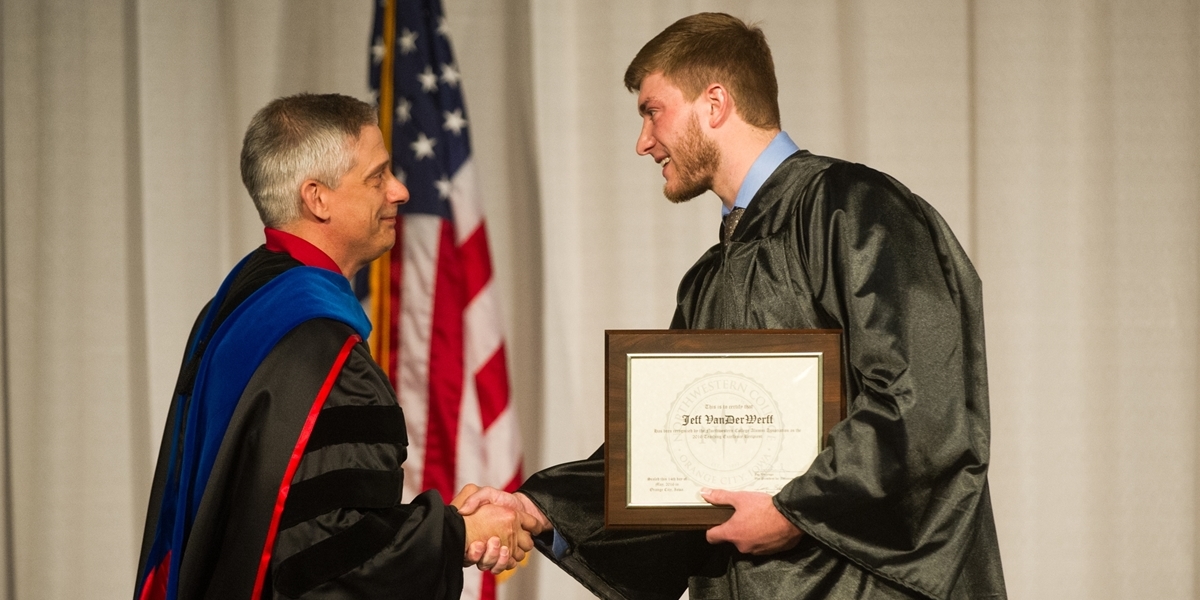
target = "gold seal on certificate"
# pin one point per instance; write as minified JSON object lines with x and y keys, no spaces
{"x":735,"y":410}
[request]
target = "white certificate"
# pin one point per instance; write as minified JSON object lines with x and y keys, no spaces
{"x":737,"y":422}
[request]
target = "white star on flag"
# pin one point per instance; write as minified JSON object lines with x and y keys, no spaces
{"x":443,"y":29}
{"x":450,"y":75}
{"x":428,"y":79}
{"x":403,"y":110}
{"x":423,"y":147}
{"x":443,"y":187}
{"x":454,"y":121}
{"x":378,"y":50}
{"x":408,"y":41}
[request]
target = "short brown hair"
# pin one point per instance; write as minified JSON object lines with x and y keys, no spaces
{"x":710,"y":48}
{"x":306,"y":136}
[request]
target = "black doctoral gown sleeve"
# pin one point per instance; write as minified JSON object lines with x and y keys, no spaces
{"x":344,"y":532}
{"x":901,"y":488}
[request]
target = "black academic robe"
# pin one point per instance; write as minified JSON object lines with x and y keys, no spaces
{"x":343,"y":532}
{"x":897,"y":504}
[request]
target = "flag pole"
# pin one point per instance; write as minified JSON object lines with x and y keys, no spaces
{"x":381,"y":268}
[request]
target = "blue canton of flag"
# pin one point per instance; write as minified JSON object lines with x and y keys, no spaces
{"x":429,"y":141}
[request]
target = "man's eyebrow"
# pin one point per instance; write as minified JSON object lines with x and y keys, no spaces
{"x":378,"y":170}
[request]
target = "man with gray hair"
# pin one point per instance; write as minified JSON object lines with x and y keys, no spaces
{"x":280,"y":471}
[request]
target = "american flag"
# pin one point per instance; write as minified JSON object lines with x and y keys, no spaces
{"x":433,"y":304}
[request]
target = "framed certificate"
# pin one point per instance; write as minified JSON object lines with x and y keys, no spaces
{"x":722,"y":409}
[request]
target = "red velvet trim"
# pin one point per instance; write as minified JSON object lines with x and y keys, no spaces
{"x":155,"y":586}
{"x":299,"y":249}
{"x":294,"y":462}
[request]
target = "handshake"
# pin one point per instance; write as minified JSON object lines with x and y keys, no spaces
{"x":500,"y":527}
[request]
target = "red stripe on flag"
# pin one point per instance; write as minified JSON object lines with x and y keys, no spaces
{"x":446,"y":361}
{"x":487,"y":588}
{"x":515,"y":482}
{"x":491,"y":385}
{"x":477,"y":263}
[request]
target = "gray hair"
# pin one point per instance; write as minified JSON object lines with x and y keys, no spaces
{"x":306,"y":136}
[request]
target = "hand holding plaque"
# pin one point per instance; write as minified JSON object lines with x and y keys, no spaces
{"x":756,"y":527}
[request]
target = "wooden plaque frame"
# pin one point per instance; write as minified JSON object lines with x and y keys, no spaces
{"x":620,"y":344}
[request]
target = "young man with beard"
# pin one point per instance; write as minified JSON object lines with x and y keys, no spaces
{"x":896,"y":506}
{"x":280,"y":469}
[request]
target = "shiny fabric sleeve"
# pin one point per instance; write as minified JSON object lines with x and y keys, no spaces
{"x":897,"y":489}
{"x":344,"y":532}
{"x":633,"y":565}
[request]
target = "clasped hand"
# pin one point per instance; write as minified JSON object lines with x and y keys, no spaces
{"x":500,"y":527}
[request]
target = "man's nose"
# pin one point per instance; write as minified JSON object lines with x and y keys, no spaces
{"x":644,"y":141}
{"x":397,"y":192}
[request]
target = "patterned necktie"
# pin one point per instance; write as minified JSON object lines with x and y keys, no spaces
{"x":729,"y":223}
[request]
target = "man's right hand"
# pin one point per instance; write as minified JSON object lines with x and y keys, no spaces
{"x":503,"y":532}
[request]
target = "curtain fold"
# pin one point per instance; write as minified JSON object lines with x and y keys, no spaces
{"x":72,"y":293}
{"x":1088,"y":209}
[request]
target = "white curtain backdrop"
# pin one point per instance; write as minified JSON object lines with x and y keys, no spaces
{"x":1060,"y":139}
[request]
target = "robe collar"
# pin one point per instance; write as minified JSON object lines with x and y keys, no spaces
{"x":299,"y":249}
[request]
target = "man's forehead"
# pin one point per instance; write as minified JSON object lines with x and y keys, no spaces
{"x":656,"y":87}
{"x":370,"y":138}
{"x":371,"y":146}
{"x":368,"y":156}
{"x":659,"y":84}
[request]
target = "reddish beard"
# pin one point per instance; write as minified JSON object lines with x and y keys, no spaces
{"x":695,"y":159}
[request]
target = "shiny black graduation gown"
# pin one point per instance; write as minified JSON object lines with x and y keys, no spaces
{"x":897,"y":504}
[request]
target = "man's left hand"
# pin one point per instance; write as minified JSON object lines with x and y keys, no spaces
{"x":756,"y":526}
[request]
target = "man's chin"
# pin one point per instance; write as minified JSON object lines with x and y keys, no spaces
{"x":679,"y":196}
{"x":384,"y":247}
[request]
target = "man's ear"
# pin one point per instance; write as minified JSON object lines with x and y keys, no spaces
{"x":719,"y":104}
{"x":313,"y":196}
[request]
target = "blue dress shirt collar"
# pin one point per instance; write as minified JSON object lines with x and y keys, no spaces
{"x":775,"y":153}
